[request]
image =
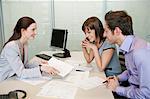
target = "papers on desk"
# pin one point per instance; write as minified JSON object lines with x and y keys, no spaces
{"x":77,"y":76}
{"x":35,"y":81}
{"x":90,"y":83}
{"x":84,"y":68}
{"x":64,"y":68}
{"x":58,"y":89}
{"x":78,"y":65}
{"x":74,"y":62}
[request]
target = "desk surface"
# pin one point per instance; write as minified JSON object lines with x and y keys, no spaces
{"x":101,"y":92}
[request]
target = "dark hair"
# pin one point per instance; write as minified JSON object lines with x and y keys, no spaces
{"x":119,"y":19}
{"x":23,"y":23}
{"x":96,"y":24}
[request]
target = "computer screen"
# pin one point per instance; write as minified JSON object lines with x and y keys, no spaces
{"x":59,"y":38}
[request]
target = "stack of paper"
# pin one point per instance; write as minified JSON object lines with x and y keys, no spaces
{"x":62,"y":67}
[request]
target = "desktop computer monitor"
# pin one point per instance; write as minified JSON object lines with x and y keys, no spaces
{"x":59,"y":40}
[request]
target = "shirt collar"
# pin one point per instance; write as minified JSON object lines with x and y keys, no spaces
{"x":125,"y":46}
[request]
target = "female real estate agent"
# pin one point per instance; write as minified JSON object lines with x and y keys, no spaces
{"x":14,"y":55}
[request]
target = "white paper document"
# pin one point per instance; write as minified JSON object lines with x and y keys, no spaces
{"x":74,"y":62}
{"x":84,"y":68}
{"x":77,"y":76}
{"x":35,"y":81}
{"x":90,"y":83}
{"x":58,"y":89}
{"x":62,"y":67}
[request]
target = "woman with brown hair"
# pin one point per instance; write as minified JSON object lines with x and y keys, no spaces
{"x":96,"y":46}
{"x":14,"y":55}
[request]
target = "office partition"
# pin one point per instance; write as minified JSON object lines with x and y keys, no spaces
{"x":1,"y":27}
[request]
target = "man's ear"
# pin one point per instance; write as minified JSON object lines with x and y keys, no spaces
{"x":117,"y":31}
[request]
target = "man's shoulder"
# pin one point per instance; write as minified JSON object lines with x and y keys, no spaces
{"x":141,"y":54}
{"x":139,"y":47}
{"x":139,"y":43}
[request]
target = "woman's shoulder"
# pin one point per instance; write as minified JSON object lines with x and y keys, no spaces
{"x":108,"y":44}
{"x":11,"y":44}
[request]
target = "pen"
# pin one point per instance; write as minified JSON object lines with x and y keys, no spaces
{"x":107,"y":80}
{"x":80,"y":70}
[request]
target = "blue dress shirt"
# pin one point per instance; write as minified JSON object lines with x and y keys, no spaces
{"x":137,"y":54}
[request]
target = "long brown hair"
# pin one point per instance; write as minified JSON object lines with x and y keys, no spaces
{"x":96,"y":24}
{"x":23,"y":23}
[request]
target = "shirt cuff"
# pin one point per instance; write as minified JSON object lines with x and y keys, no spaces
{"x":123,"y":76}
{"x":121,"y":91}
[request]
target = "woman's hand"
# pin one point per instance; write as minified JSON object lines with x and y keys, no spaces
{"x":86,"y":44}
{"x":83,"y":43}
{"x":50,"y":70}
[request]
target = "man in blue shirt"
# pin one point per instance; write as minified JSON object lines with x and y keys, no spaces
{"x":118,"y":30}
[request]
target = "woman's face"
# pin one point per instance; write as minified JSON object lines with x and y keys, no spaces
{"x":90,"y":34}
{"x":30,"y":32}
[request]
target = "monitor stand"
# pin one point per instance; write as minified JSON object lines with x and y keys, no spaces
{"x":63,"y":55}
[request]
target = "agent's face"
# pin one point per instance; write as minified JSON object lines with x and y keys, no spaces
{"x":109,"y":34}
{"x":30,"y":32}
{"x":90,"y":34}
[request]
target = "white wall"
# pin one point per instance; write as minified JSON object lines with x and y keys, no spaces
{"x":72,"y":14}
{"x":139,"y":11}
{"x":38,"y":10}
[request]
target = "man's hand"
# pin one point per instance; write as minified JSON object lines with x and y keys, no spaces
{"x":112,"y":83}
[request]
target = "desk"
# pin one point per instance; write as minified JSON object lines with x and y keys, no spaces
{"x":101,"y":92}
